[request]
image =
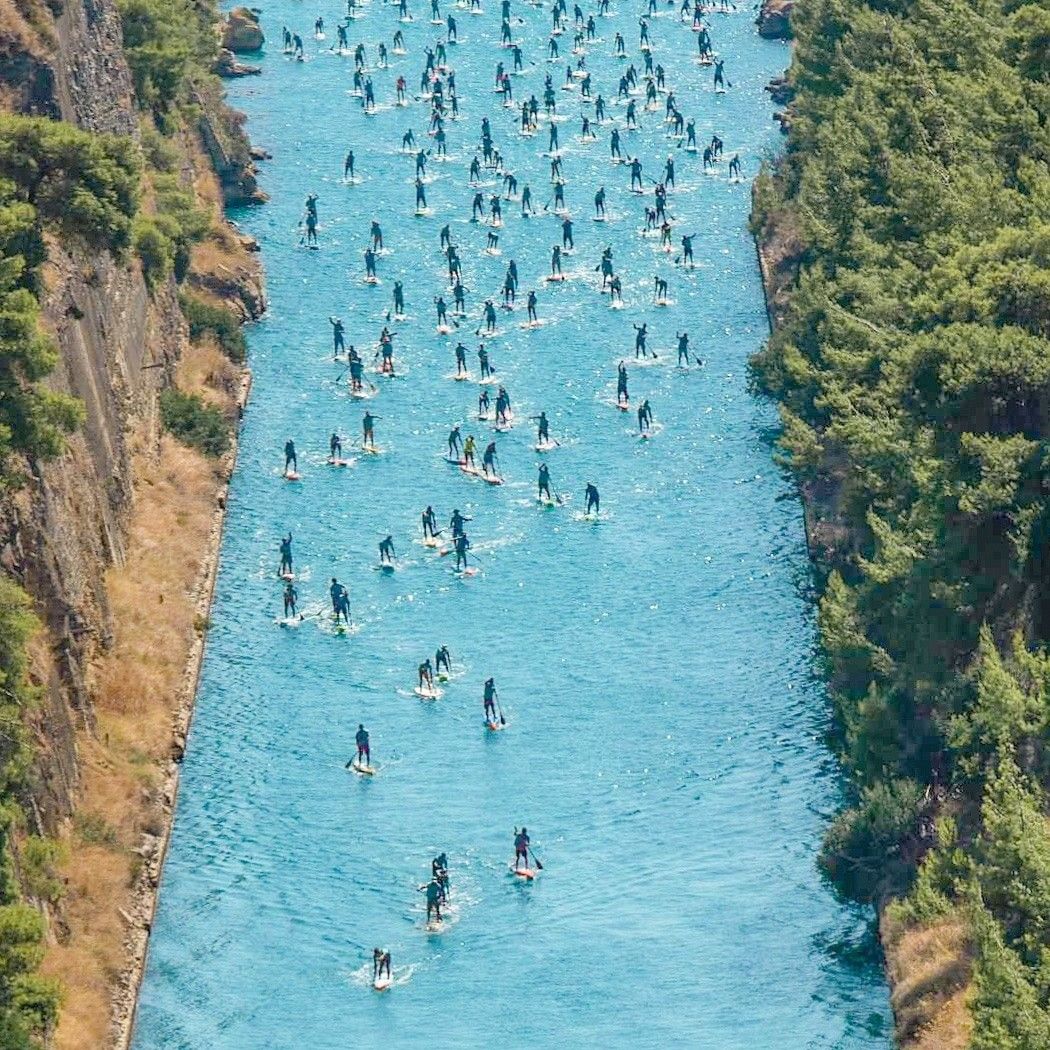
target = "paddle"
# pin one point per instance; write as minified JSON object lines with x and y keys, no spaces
{"x":535,"y":859}
{"x":499,"y":708}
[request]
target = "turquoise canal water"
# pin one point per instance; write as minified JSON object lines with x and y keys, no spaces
{"x":665,"y":732}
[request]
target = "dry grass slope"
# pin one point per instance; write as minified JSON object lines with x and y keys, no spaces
{"x":136,"y":696}
{"x":930,"y":970}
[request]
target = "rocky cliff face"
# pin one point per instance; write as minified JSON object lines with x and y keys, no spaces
{"x":60,"y":532}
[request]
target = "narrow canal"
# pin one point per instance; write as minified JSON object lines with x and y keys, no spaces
{"x":664,"y":737}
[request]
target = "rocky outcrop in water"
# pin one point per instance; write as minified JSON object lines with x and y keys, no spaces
{"x":241,"y":31}
{"x":226,"y":65}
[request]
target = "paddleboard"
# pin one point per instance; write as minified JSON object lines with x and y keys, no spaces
{"x":365,"y":771}
{"x":428,"y":694}
{"x":494,"y":726}
{"x":382,"y":984}
{"x":338,"y":462}
{"x":292,"y":476}
{"x":523,"y":873}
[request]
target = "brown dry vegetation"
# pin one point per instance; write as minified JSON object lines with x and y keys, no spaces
{"x":26,"y":27}
{"x":930,"y":971}
{"x":137,"y":692}
{"x":205,"y":370}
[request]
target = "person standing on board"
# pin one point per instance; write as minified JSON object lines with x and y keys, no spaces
{"x":490,"y":700}
{"x":521,"y":849}
{"x":364,"y":754}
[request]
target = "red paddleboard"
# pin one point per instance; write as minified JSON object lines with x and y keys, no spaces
{"x":494,"y":726}
{"x":523,"y":873}
{"x":291,"y":476}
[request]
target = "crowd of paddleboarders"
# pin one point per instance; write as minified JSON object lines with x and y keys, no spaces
{"x":642,"y":90}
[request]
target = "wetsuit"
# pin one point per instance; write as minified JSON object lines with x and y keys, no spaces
{"x":443,"y":659}
{"x":429,"y":523}
{"x":434,"y":895}
{"x":521,"y":848}
{"x":462,"y":546}
{"x":337,"y":336}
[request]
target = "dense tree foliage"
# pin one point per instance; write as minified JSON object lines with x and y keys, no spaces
{"x":28,"y":1002}
{"x":913,"y":373}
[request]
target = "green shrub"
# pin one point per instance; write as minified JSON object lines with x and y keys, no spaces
{"x":168,"y":43}
{"x":39,"y":859}
{"x":94,"y":830}
{"x":194,"y":423}
{"x":155,"y":248}
{"x":204,"y":318}
{"x":861,"y":852}
{"x":28,"y":1002}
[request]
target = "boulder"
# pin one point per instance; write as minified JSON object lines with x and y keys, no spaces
{"x":780,"y":90}
{"x":226,"y":65}
{"x":774,"y":19}
{"x":241,"y":31}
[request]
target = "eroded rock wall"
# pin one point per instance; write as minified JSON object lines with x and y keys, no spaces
{"x":117,"y":344}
